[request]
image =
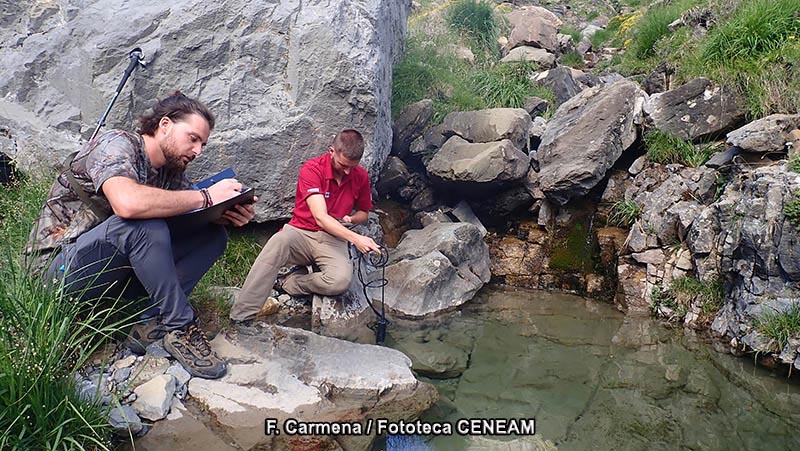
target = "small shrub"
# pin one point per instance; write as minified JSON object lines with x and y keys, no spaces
{"x":791,"y":211}
{"x":780,"y":325}
{"x":476,"y":20}
{"x":624,"y":213}
{"x":572,"y":59}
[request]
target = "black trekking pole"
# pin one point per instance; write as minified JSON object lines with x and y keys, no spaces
{"x":136,"y":56}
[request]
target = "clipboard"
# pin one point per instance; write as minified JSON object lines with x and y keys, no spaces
{"x":202,"y":216}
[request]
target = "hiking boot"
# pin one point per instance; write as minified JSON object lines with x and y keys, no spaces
{"x":190,"y":347}
{"x":281,"y":279}
{"x":144,"y":334}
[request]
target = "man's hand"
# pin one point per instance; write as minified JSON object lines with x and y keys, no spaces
{"x":365,"y":244}
{"x":240,"y":214}
{"x":224,"y":190}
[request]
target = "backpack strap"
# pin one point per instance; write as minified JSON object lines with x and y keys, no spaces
{"x":73,"y":182}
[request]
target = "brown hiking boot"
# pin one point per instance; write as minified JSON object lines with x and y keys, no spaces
{"x":281,"y":279}
{"x":190,"y":347}
{"x":144,"y":334}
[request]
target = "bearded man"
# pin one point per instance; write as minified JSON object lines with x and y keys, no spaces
{"x":101,"y":233}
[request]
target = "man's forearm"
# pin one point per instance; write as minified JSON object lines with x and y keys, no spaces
{"x":359,"y":217}
{"x":131,"y":200}
{"x":332,"y":226}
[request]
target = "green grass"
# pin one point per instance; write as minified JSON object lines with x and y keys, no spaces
{"x":229,"y":271}
{"x":685,"y":291}
{"x":794,"y":163}
{"x":429,"y":70}
{"x":45,"y":336}
{"x":653,"y":26}
{"x":475,"y":20}
{"x":664,"y":148}
{"x":780,"y":326}
{"x":572,"y":31}
{"x":624,"y":213}
{"x":572,"y":59}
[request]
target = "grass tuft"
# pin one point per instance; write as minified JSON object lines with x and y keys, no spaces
{"x":624,"y":213}
{"x":475,"y":19}
{"x":780,"y":325}
{"x":664,"y":148}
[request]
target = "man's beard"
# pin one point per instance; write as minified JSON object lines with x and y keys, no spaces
{"x":174,"y":160}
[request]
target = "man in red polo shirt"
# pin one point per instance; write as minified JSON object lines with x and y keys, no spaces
{"x":329,"y":189}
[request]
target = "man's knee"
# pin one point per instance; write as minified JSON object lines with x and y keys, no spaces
{"x":338,"y":282}
{"x":153,"y":232}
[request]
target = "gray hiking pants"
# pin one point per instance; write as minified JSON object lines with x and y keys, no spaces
{"x":130,"y":258}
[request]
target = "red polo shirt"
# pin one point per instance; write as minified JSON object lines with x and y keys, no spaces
{"x":316,"y":177}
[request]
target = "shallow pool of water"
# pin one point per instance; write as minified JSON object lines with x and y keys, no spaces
{"x":592,"y":379}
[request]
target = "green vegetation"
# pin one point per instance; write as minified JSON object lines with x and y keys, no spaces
{"x":686,"y":291}
{"x":624,"y":213}
{"x":431,"y":69}
{"x":229,"y":271}
{"x":45,"y":337}
{"x":664,"y":148}
{"x":475,"y":20}
{"x":780,"y":325}
{"x":576,"y":252}
{"x":794,"y":163}
{"x":751,"y":47}
{"x":572,"y":59}
{"x":572,"y":31}
{"x":792,"y":210}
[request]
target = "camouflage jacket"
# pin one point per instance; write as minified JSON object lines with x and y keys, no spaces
{"x":64,"y":217}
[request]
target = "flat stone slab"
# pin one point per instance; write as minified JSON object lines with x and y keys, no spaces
{"x":278,"y":372}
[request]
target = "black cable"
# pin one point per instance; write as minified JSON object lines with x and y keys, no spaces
{"x":377,"y":261}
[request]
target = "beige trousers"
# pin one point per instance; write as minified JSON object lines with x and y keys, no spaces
{"x":293,"y":246}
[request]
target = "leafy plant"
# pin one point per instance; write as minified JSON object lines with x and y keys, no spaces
{"x":780,"y":325}
{"x":794,"y":163}
{"x":624,"y":213}
{"x":791,"y":210}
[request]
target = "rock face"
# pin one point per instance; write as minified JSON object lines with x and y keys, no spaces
{"x":585,"y":138}
{"x":561,"y":81}
{"x":280,"y":89}
{"x":541,"y":56}
{"x":277,"y":372}
{"x":464,"y":164}
{"x":409,"y":125}
{"x":756,"y":246}
{"x":436,"y":268}
{"x":769,"y":134}
{"x":696,"y":110}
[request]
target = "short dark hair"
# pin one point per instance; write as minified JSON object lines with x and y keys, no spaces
{"x":176,"y":106}
{"x":350,"y":143}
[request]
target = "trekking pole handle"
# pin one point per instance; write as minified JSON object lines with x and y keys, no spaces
{"x":136,"y":59}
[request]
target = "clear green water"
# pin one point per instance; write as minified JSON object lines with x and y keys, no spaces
{"x":593,"y":379}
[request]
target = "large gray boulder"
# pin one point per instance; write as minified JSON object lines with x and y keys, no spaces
{"x":539,"y":56}
{"x":436,"y":268}
{"x":695,"y":110}
{"x":534,"y":26}
{"x":282,"y":373}
{"x":474,"y":169}
{"x":561,"y":81}
{"x":489,"y":125}
{"x":282,"y":78}
{"x":410,"y":125}
{"x":585,"y":138}
{"x":769,"y":134}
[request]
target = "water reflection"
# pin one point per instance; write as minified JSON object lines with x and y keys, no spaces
{"x":592,"y":378}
